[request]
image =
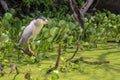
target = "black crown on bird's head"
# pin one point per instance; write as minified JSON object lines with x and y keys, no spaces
{"x":41,"y":17}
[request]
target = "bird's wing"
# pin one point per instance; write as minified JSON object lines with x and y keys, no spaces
{"x":28,"y":31}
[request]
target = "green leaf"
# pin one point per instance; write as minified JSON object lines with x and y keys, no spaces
{"x":53,"y":31}
{"x":8,"y":16}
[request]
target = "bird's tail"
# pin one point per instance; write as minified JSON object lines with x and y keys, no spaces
{"x":21,"y":42}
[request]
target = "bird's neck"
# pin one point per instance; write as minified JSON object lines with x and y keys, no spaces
{"x":38,"y":24}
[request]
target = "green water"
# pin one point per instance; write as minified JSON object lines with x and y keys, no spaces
{"x":80,"y":71}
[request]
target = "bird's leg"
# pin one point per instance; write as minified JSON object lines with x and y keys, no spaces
{"x":29,"y":51}
{"x":32,"y":45}
{"x":29,"y":46}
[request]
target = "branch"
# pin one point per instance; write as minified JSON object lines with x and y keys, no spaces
{"x":76,"y":13}
{"x":28,"y":51}
{"x":58,"y":59}
{"x":4,"y":5}
{"x":13,"y":68}
{"x":75,"y":52}
{"x":1,"y":69}
{"x":85,"y":7}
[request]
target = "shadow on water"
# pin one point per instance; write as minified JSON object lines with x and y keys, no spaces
{"x":100,"y":48}
{"x":115,"y":68}
{"x":112,"y":67}
{"x":103,"y":56}
{"x":103,"y":47}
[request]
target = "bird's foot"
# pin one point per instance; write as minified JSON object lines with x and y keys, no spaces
{"x":28,"y":51}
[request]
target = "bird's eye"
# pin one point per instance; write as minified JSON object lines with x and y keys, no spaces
{"x":43,"y":19}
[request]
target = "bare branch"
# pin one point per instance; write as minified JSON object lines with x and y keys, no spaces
{"x":76,"y":13}
{"x":58,"y":59}
{"x":4,"y":5}
{"x":13,"y":68}
{"x":85,"y":7}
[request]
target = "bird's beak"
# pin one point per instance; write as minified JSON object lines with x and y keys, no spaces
{"x":46,"y":20}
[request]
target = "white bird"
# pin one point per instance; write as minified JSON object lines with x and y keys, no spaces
{"x":32,"y":30}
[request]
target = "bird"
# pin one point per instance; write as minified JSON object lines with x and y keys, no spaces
{"x":31,"y":31}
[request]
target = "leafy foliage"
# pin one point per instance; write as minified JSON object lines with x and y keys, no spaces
{"x":99,"y":29}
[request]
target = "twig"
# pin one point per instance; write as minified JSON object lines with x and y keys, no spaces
{"x":1,"y":69}
{"x":58,"y":59}
{"x":13,"y":68}
{"x":96,"y":4}
{"x":74,"y":52}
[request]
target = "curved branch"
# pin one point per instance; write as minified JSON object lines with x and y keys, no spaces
{"x":76,"y":13}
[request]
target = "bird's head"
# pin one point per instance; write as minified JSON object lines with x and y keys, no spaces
{"x":41,"y":20}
